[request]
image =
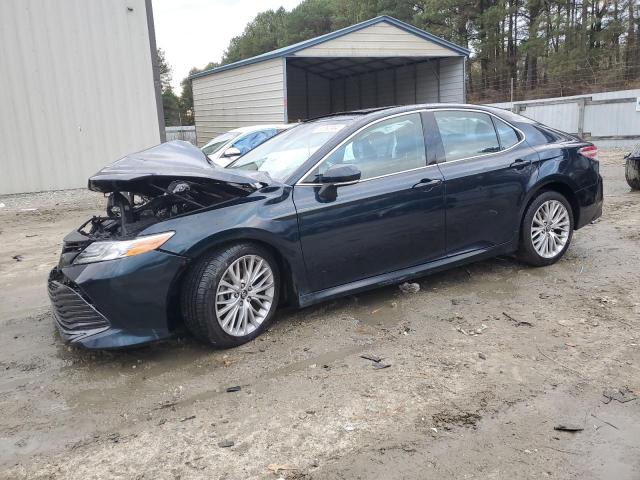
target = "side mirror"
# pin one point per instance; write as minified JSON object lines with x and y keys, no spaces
{"x":341,"y":174}
{"x":231,"y":152}
{"x":335,"y":176}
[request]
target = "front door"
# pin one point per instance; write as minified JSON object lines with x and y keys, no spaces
{"x":391,"y":219}
{"x":487,"y":168}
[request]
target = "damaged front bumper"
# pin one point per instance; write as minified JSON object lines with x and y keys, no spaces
{"x":117,"y":303}
{"x":125,"y":291}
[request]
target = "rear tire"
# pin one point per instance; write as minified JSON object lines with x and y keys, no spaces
{"x":547,"y":229}
{"x":231,"y":294}
{"x":632,"y":173}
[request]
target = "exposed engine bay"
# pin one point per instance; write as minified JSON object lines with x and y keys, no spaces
{"x":162,"y":182}
{"x":129,"y":213}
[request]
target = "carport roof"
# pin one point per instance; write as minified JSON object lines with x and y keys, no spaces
{"x":332,"y":68}
{"x":285,"y":51}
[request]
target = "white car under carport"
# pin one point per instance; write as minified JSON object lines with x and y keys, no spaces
{"x":225,"y":148}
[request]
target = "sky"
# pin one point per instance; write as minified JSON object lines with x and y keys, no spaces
{"x":195,"y":32}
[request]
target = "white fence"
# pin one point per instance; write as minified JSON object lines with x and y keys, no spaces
{"x":187,"y":133}
{"x":596,"y":116}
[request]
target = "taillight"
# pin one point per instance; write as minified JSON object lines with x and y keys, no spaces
{"x":590,"y":151}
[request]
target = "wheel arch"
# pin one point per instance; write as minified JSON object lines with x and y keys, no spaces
{"x":554,"y":184}
{"x":289,"y":275}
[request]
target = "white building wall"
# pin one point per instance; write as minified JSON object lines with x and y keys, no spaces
{"x":452,"y":80}
{"x":238,"y":97}
{"x":379,"y":40}
{"x":77,"y":90}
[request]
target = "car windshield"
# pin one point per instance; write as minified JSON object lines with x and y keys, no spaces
{"x":217,"y":143}
{"x":284,"y":153}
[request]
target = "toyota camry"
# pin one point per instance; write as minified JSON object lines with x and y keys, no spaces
{"x":330,"y":207}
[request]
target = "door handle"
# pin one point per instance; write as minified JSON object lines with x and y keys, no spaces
{"x":427,"y":183}
{"x":520,"y":163}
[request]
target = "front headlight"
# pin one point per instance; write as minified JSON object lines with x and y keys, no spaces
{"x":101,"y":251}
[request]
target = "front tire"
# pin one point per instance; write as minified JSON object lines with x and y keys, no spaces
{"x":230,"y":295}
{"x":547,"y":229}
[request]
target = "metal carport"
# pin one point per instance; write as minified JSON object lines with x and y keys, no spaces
{"x":379,"y":62}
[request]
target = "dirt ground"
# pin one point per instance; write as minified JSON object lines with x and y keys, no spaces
{"x":485,"y":361}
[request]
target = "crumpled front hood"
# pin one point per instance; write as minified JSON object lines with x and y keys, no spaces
{"x":164,"y":163}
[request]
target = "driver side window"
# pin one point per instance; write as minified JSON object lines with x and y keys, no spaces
{"x":386,"y":147}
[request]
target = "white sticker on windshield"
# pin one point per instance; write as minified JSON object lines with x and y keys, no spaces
{"x":327,"y":128}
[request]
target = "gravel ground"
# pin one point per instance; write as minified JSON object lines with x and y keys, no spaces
{"x":485,"y":360}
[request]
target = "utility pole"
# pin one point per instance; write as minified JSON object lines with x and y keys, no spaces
{"x":512,"y":105}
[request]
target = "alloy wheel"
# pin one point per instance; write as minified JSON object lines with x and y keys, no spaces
{"x":244,"y":295}
{"x":550,"y":229}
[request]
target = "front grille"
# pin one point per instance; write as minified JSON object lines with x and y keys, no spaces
{"x":73,"y":314}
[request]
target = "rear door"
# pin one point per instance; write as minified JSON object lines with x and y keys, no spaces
{"x":487,"y":168}
{"x":391,"y":219}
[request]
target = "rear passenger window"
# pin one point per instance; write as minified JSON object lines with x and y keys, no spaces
{"x":550,"y":135}
{"x":466,"y":134}
{"x":508,"y":136}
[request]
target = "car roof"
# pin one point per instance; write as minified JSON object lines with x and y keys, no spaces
{"x":379,"y":112}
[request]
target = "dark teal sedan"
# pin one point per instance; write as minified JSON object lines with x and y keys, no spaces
{"x":330,"y":207}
